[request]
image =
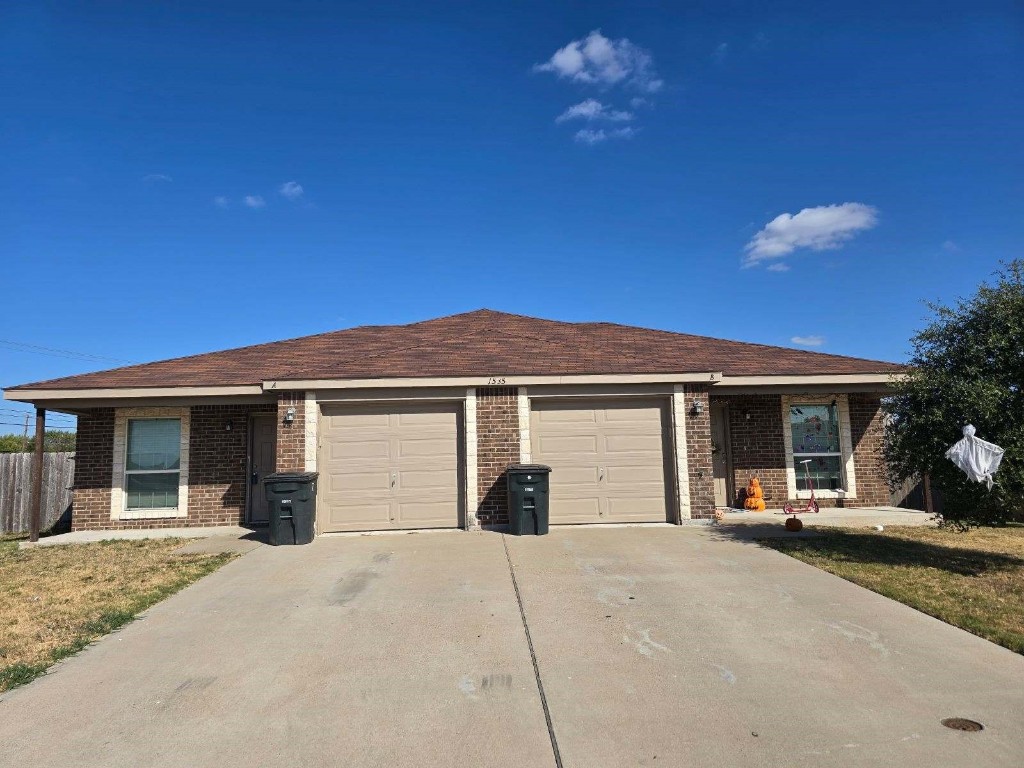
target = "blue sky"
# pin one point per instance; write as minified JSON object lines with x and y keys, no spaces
{"x":806,"y":171}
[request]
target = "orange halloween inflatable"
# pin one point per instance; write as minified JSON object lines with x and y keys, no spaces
{"x":755,"y":496}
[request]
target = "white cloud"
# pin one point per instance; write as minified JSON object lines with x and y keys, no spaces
{"x":156,"y":177}
{"x":598,"y":60}
{"x":950,"y":247}
{"x":825,"y":227}
{"x":590,"y":136}
{"x":808,"y":341}
{"x":721,"y":51}
{"x":255,"y":201}
{"x":292,"y":190}
{"x":220,"y":201}
{"x":778,"y":266}
{"x":592,"y":109}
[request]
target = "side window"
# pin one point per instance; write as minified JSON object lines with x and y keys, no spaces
{"x":152,"y":464}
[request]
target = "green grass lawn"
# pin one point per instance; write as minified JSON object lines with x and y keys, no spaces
{"x":54,"y":601}
{"x":973,"y":580}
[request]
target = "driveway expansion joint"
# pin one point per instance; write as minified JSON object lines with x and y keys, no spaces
{"x":533,"y":656}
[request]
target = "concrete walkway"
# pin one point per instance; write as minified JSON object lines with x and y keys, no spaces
{"x":652,"y":646}
{"x":831,"y":517}
{"x":86,"y":537}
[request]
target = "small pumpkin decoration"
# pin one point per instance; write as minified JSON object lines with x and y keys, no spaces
{"x":794,"y":524}
{"x":755,"y":496}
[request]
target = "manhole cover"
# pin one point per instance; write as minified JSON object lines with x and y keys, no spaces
{"x":962,"y":724}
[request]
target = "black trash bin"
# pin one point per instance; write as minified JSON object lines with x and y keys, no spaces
{"x":528,"y":499}
{"x":292,"y":497}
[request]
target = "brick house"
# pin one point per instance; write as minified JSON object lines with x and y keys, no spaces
{"x":412,"y":426}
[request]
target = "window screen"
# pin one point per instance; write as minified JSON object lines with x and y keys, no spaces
{"x":153,"y":463}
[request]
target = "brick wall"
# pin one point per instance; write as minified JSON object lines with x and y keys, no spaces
{"x":757,"y":447}
{"x":698,"y":453}
{"x":866,"y":428}
{"x":291,"y":438}
{"x":497,"y":434}
{"x":217,"y":469}
{"x":218,"y":463}
{"x":94,"y":459}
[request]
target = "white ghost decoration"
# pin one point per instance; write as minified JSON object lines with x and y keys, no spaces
{"x":978,"y":458}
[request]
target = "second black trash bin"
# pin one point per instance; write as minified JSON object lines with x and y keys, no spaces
{"x":292,"y":497}
{"x":528,"y":499}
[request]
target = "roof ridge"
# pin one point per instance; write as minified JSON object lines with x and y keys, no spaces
{"x":757,"y":344}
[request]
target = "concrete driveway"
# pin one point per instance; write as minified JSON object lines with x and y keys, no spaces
{"x":653,"y":646}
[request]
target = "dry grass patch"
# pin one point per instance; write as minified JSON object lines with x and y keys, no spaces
{"x":973,"y":580}
{"x":56,"y":600}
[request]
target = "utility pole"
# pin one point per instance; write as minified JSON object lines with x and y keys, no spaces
{"x":24,"y":434}
{"x":37,"y":477}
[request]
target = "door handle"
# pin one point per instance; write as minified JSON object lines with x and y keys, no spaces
{"x":255,"y":477}
{"x":394,"y":479}
{"x":600,"y":474}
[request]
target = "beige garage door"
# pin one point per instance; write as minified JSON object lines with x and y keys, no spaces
{"x":607,"y":459}
{"x":388,"y":466}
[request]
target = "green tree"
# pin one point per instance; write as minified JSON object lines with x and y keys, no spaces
{"x":54,"y":440}
{"x":967,"y":367}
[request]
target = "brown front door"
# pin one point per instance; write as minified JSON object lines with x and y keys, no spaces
{"x":720,"y":463}
{"x":262,"y":458}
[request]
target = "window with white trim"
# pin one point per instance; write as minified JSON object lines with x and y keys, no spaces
{"x":817,"y":440}
{"x":152,"y":467}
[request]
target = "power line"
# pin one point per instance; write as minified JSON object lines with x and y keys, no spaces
{"x":55,"y":418}
{"x":19,"y":346}
{"x":49,"y":427}
{"x":30,"y":410}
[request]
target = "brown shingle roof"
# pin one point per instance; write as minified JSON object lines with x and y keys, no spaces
{"x":477,"y":343}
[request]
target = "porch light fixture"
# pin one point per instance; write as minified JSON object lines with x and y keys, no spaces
{"x":698,"y":407}
{"x":289,"y":416}
{"x":229,"y":426}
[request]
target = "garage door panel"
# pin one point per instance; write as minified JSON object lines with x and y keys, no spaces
{"x":427,"y":481}
{"x":607,"y":459}
{"x":638,"y":476}
{"x":646,"y":444}
{"x":357,"y":450}
{"x":580,"y":476}
{"x":569,"y":444}
{"x":389,"y":466}
{"x":354,"y":517}
{"x":581,"y":416}
{"x":441,"y":419}
{"x":639,"y":508}
{"x":438,"y":447}
{"x":633,"y":415}
{"x":357,"y":420}
{"x":417,"y":513}
{"x":359,"y":482}
{"x":574,"y":509}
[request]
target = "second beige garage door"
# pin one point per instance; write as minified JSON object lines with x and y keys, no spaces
{"x":607,"y":459}
{"x":388,"y":467}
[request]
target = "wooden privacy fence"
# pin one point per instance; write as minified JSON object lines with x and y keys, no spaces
{"x":16,"y":489}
